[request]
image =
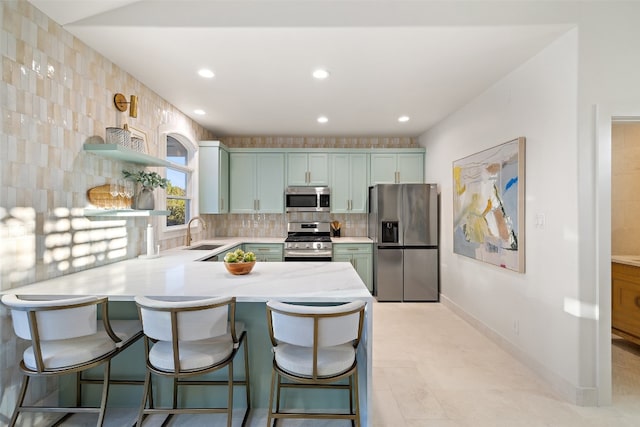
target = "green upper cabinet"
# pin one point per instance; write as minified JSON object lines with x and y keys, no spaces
{"x":256,"y":182}
{"x":213,"y":172}
{"x":397,"y":168}
{"x":310,"y":169}
{"x":349,"y":183}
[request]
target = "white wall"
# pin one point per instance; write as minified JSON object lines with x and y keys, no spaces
{"x":567,"y":121}
{"x":538,"y":101}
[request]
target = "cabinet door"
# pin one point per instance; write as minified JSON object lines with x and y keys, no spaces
{"x":266,"y":252}
{"x":297,"y":169}
{"x":410,"y":168}
{"x":224,"y":182}
{"x":318,"y":167}
{"x":349,"y":183}
{"x":360,"y":256}
{"x":213,"y":172}
{"x":383,"y":168}
{"x":242,"y":186}
{"x":363,"y":263}
{"x":270,"y":182}
{"x":340,"y":183}
{"x":358,"y":188}
{"x":341,"y":258}
{"x":310,"y":169}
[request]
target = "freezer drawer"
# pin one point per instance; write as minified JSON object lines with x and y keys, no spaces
{"x":421,"y":275}
{"x":388,"y":277}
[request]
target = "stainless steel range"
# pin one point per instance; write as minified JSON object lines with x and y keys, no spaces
{"x":307,"y":241}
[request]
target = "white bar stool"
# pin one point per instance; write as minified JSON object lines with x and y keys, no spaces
{"x":314,"y":347}
{"x":67,"y":337}
{"x":188,"y":338}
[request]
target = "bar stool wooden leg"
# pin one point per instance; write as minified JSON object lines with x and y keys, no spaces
{"x":357,"y":397}
{"x":20,"y":402}
{"x":230,"y":395}
{"x":246,"y":378}
{"x":105,"y":393}
{"x":145,"y":395}
{"x":273,"y":385}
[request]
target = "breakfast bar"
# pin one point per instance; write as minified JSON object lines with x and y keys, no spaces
{"x":178,"y":273}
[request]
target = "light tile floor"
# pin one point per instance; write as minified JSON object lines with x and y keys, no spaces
{"x":432,"y":369}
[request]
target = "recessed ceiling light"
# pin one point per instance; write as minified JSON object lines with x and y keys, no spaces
{"x":206,"y":73}
{"x":403,"y":119}
{"x":323,"y":119}
{"x":320,"y":74}
{"x":199,"y":112}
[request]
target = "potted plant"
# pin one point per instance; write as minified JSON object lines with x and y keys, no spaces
{"x":148,"y":181}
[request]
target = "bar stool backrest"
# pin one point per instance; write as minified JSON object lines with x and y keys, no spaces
{"x":195,"y":320}
{"x":49,"y":321}
{"x":295,"y":324}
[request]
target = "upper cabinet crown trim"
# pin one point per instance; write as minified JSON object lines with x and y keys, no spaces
{"x":418,"y":150}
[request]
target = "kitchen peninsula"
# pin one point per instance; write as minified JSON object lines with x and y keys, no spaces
{"x":177,"y":273}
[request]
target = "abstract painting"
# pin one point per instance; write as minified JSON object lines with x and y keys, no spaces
{"x":488,"y":205}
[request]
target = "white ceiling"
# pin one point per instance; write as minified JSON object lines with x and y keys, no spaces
{"x":383,"y":62}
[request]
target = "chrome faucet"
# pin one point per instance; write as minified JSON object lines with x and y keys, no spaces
{"x":204,"y":227}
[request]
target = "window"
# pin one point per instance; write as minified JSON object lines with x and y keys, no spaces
{"x":179,"y":189}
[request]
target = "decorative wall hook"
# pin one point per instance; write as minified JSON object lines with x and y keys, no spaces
{"x":121,"y":102}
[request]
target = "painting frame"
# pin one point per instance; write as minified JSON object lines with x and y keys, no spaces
{"x":489,"y":205}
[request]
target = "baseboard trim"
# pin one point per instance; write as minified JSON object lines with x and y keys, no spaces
{"x":580,"y":396}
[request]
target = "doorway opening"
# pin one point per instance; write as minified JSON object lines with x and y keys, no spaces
{"x":625,"y":256}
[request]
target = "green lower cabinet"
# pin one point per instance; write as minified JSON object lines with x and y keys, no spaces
{"x":360,"y":255}
{"x":269,"y":252}
{"x":223,"y":253}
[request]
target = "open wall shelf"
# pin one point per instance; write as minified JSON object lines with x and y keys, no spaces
{"x":123,"y":213}
{"x":118,"y":152}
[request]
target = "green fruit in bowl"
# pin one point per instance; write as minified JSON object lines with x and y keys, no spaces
{"x":231,"y":257}
{"x":240,"y":254}
{"x":249,"y":257}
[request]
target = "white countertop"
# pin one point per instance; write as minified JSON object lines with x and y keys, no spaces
{"x":626,"y":259}
{"x":177,"y":272}
{"x":351,"y":240}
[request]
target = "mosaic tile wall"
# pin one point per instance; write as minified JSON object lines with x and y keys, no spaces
{"x":57,"y":95}
{"x":275,"y":225}
{"x":318,"y":142}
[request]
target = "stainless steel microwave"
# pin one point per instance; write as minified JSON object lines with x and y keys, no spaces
{"x":307,"y":199}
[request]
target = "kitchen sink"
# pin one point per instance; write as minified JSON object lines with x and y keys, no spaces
{"x":203,"y":247}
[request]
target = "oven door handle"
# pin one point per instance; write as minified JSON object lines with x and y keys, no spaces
{"x":308,"y":254}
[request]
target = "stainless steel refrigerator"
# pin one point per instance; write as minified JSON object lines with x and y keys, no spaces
{"x":403,"y":224}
